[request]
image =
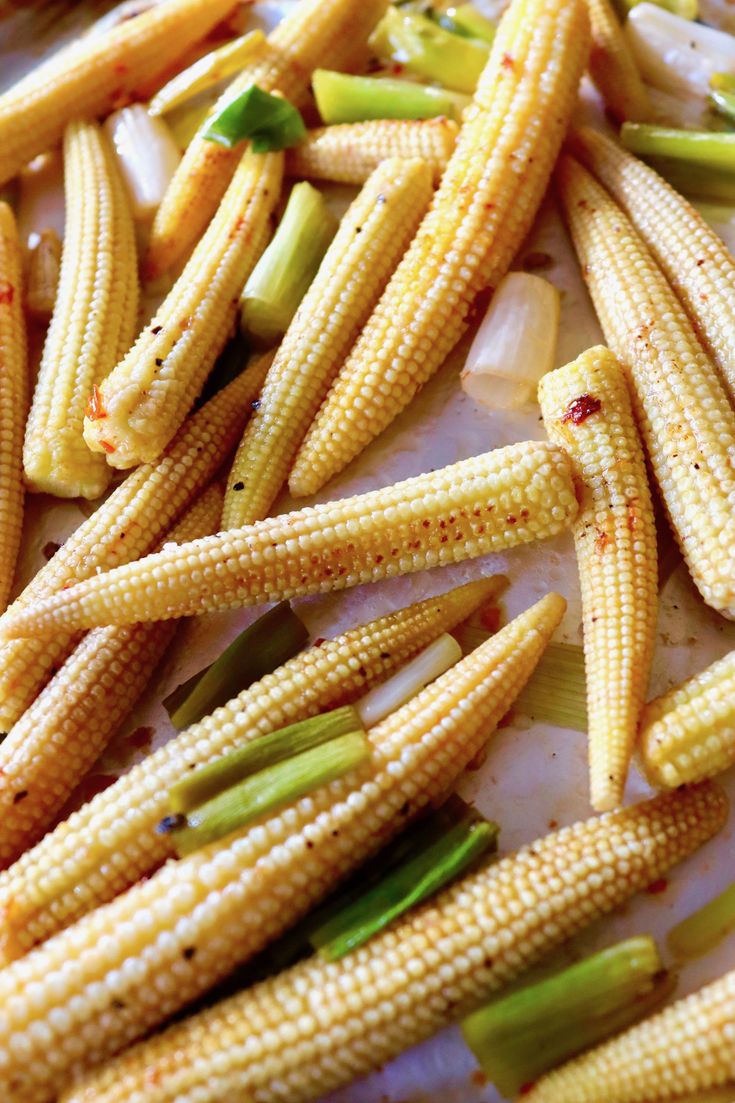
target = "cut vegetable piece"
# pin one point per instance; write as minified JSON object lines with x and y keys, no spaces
{"x":700,"y":147}
{"x":44,"y":261}
{"x":557,"y":692}
{"x":675,"y":54}
{"x":344,"y":98}
{"x":696,"y":180}
{"x":687,"y":9}
{"x":270,"y":122}
{"x":147,"y":156}
{"x":701,"y":931}
{"x":724,"y":103}
{"x":421,"y":46}
{"x":439,"y":656}
{"x":207,"y":71}
{"x":13,"y":399}
{"x":613,"y":67}
{"x":468,"y":19}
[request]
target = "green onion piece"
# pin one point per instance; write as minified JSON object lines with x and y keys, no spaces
{"x":703,"y":929}
{"x":686,"y":9}
{"x":428,"y":665}
{"x":423,"y":47}
{"x":522,"y":1035}
{"x":207,"y":71}
{"x":271,"y":640}
{"x":699,"y":147}
{"x":695,"y":180}
{"x":269,"y":790}
{"x":200,"y":786}
{"x":282,"y":276}
{"x":722,"y":82}
{"x":468,"y":21}
{"x":270,"y":122}
{"x":343,"y":98}
{"x":557,"y":691}
{"x":724,"y":103}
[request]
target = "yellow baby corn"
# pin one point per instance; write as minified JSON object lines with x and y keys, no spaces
{"x":132,"y":963}
{"x":77,"y":866}
{"x":371,"y":238}
{"x":586,"y":409}
{"x":137,"y":409}
{"x":483,"y":209}
{"x":68,"y":725}
{"x":486,"y":504}
{"x":321,"y":1024}
{"x":348,"y":153}
{"x":682,"y":410}
{"x":93,"y":321}
{"x":42,"y":281}
{"x":97,"y":74}
{"x":686,"y":1047}
{"x":694,"y":259}
{"x":613,"y":67}
{"x":127,"y":525}
{"x":329,"y":33}
{"x":13,"y":399}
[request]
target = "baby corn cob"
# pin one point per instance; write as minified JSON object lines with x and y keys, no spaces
{"x":586,"y":409}
{"x":694,"y":259}
{"x":349,"y":152}
{"x":97,"y":74}
{"x":88,"y":992}
{"x":682,"y":1049}
{"x":483,"y":209}
{"x":330,"y":33}
{"x":76,"y":867}
{"x":370,"y":240}
{"x":93,"y":321}
{"x":613,"y":67}
{"x":137,"y":409}
{"x":43,"y":275}
{"x":689,"y":732}
{"x":56,"y":741}
{"x":126,"y":526}
{"x":486,"y":504}
{"x":683,"y":413}
{"x":13,"y":399}
{"x":322,"y":1024}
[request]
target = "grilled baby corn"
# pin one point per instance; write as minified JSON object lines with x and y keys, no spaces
{"x":130,"y":964}
{"x":586,"y":409}
{"x":322,"y":1024}
{"x":613,"y":67}
{"x":483,"y":209}
{"x":348,"y":153}
{"x":489,"y":503}
{"x":138,"y":407}
{"x":13,"y":399}
{"x":371,"y":238}
{"x":684,"y":415}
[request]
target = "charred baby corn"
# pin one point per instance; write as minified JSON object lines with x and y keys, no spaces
{"x":495,"y":501}
{"x":76,"y":867}
{"x":371,"y":238}
{"x":683,"y":413}
{"x":139,"y":406}
{"x":587,"y":411}
{"x":322,"y":1024}
{"x":613,"y":67}
{"x":13,"y":399}
{"x":481,"y":212}
{"x":89,"y":991}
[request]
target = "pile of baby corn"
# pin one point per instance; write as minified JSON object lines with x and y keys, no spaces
{"x":111,"y":924}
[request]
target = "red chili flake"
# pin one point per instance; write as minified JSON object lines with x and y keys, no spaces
{"x":581,"y":408}
{"x":7,"y":292}
{"x":507,"y":61}
{"x":601,"y":541}
{"x":657,"y":887}
{"x":107,"y":446}
{"x":141,"y":738}
{"x":553,"y":824}
{"x":511,"y":519}
{"x":94,"y":409}
{"x":526,"y":1088}
{"x":121,"y":68}
{"x":490,"y":618}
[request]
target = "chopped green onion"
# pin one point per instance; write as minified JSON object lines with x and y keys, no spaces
{"x":269,"y":121}
{"x":282,"y":276}
{"x":147,"y":156}
{"x":434,"y":660}
{"x":724,"y":103}
{"x":675,"y":54}
{"x":697,"y":147}
{"x":423,"y":47}
{"x":202,"y":785}
{"x":696,"y":180}
{"x":271,"y":640}
{"x":466,"y":20}
{"x":206,"y":72}
{"x":557,"y":691}
{"x":722,"y":82}
{"x":685,"y":9}
{"x":701,"y":931}
{"x":269,"y":790}
{"x":343,"y":98}
{"x":522,"y":1035}
{"x":184,"y":122}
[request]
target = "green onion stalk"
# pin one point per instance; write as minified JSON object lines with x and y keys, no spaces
{"x":557,"y":691}
{"x":269,"y":121}
{"x":696,"y":180}
{"x":704,"y":929}
{"x":423,"y":47}
{"x":343,"y":98}
{"x":686,"y":9}
{"x":712,"y":150}
{"x":467,"y":21}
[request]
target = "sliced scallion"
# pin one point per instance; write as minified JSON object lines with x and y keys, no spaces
{"x":557,"y":691}
{"x":714,"y":150}
{"x":701,"y":931}
{"x":383,"y":699}
{"x":423,"y":47}
{"x":344,"y":98}
{"x":467,"y":21}
{"x":269,"y":121}
{"x":207,"y":71}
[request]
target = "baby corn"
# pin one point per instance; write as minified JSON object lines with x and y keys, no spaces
{"x":371,"y":238}
{"x":685,"y":1048}
{"x":694,"y":259}
{"x":97,"y":74}
{"x":483,"y":209}
{"x":486,"y":504}
{"x":128,"y":524}
{"x":93,"y":321}
{"x":683,"y":412}
{"x":322,"y":1024}
{"x":136,"y":410}
{"x":330,"y":33}
{"x":56,"y":741}
{"x":348,"y":153}
{"x":90,"y":991}
{"x":77,"y":866}
{"x":586,"y":409}
{"x":13,"y":399}
{"x":613,"y":67}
